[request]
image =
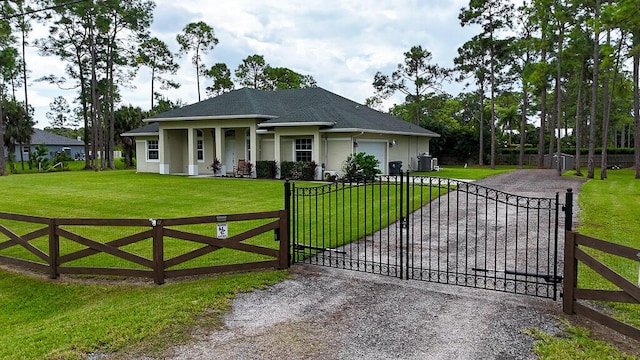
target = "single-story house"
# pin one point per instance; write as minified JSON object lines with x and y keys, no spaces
{"x":310,"y":124}
{"x":54,"y":143}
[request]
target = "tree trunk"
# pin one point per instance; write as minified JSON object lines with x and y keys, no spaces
{"x":523,"y":123}
{"x":594,"y":95}
{"x":3,"y":165}
{"x":579,"y":108}
{"x":481,"y":152}
{"x":543,"y":110}
{"x":636,"y":100}
{"x":558,"y":109}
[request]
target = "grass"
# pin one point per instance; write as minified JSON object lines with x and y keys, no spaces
{"x":473,"y":172}
{"x":58,"y":320}
{"x":576,"y":344}
{"x":609,"y":210}
{"x":71,"y":166}
{"x":66,"y":320}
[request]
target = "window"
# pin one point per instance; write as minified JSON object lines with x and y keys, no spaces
{"x":304,"y":149}
{"x":25,"y":150}
{"x":153,"y":152}
{"x":200,"y":149}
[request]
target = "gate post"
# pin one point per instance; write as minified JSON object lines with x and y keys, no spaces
{"x":287,"y":209}
{"x":568,"y":210}
{"x":284,"y":255}
{"x":406,"y":224}
{"x":54,"y":249}
{"x":158,"y":251}
{"x":570,"y":272}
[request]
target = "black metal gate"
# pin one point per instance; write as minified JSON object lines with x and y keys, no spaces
{"x":430,"y":229}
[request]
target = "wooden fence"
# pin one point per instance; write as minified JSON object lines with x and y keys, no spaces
{"x":629,"y":292}
{"x":45,"y":256}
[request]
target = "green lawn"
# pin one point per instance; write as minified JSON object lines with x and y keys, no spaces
{"x":609,"y":210}
{"x":66,"y":319}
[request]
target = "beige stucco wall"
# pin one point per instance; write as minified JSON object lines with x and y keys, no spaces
{"x":406,"y":149}
{"x":267,"y":147}
{"x":142,"y":164}
{"x":330,"y":149}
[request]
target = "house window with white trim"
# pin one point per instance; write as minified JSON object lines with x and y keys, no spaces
{"x":25,"y":150}
{"x":304,"y":149}
{"x":199,"y":145}
{"x":153,"y":152}
{"x":200,"y":149}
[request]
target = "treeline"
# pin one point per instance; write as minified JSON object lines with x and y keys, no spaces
{"x":103,"y":44}
{"x":564,"y":70}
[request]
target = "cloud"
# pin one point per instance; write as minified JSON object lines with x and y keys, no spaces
{"x":342,"y":44}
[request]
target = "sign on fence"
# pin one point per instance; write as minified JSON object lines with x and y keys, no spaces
{"x":223,"y":229}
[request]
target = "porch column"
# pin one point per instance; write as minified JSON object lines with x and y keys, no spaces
{"x":276,"y":150}
{"x":253,"y":147}
{"x":163,"y":150}
{"x":192,"y":151}
{"x":316,"y":156}
{"x":219,"y":148}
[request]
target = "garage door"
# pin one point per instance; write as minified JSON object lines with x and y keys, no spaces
{"x":377,"y":149}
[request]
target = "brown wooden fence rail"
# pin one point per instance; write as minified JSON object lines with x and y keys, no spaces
{"x":629,"y":292}
{"x":158,"y":267}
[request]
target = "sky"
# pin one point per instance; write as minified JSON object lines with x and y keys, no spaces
{"x":342,"y":44}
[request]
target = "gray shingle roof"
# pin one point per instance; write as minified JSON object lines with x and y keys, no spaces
{"x":42,"y":137}
{"x":292,"y":107}
{"x":151,"y":128}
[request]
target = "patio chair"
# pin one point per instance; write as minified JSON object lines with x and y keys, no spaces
{"x":242,"y":169}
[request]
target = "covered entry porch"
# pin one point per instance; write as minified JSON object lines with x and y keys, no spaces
{"x":192,"y":150}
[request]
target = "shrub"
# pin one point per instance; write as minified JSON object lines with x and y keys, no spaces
{"x":360,"y":167}
{"x":298,"y":170}
{"x":216,"y":166}
{"x":63,"y":158}
{"x":266,"y":169}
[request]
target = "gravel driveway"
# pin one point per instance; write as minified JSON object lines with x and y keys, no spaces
{"x":324,"y":313}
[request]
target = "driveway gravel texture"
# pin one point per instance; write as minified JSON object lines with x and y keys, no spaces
{"x":325,"y":313}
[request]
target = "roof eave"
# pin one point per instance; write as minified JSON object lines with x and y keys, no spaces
{"x":140,"y":134}
{"x":215,"y":117}
{"x":373,"y":131}
{"x":297,"y":124}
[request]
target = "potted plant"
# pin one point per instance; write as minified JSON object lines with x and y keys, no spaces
{"x":216,"y":167}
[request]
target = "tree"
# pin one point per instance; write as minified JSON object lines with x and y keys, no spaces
{"x":8,"y":55}
{"x":280,"y":78}
{"x":199,"y":38}
{"x":414,"y":78}
{"x":473,"y":59}
{"x":155,"y":54}
{"x":128,"y":118}
{"x":221,"y":76}
{"x":99,"y":42}
{"x":251,"y":72}
{"x":18,"y":128}
{"x":492,"y":16}
{"x":60,"y":113}
{"x":594,"y":92}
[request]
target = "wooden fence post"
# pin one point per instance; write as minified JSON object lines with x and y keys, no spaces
{"x":158,"y":251}
{"x":570,"y":273}
{"x":283,"y":257}
{"x":54,"y":249}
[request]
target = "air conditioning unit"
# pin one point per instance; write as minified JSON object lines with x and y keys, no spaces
{"x":434,"y":164}
{"x":330,"y":175}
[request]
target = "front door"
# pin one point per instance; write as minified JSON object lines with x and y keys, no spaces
{"x":229,"y":155}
